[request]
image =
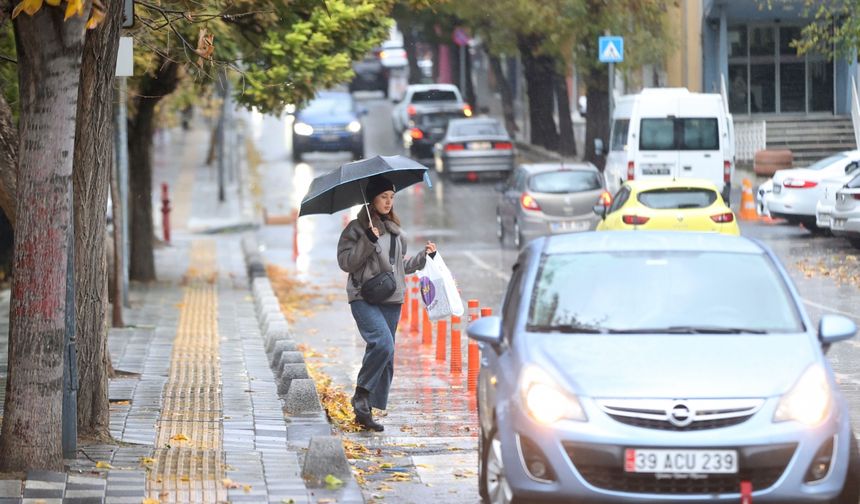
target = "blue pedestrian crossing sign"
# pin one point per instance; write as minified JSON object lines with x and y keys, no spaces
{"x":611,"y":49}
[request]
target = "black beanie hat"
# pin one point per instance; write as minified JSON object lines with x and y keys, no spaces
{"x":376,"y":186}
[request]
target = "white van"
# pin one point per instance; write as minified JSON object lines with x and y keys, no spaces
{"x":671,"y":132}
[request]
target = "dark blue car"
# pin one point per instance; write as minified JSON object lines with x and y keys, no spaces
{"x":329,"y":123}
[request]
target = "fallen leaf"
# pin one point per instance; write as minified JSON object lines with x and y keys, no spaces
{"x":184,"y":478}
{"x":147,"y":461}
{"x":103,"y":465}
{"x":247,"y":488}
{"x":332,"y":482}
{"x":228,"y":483}
{"x":179,"y":437}
{"x":150,"y":500}
{"x":400,"y":476}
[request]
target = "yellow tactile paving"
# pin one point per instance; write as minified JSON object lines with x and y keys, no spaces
{"x":189,"y":459}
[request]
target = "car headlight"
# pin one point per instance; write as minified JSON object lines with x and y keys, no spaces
{"x":353,"y":127}
{"x":808,"y":401}
{"x":545,"y":401}
{"x":303,"y":129}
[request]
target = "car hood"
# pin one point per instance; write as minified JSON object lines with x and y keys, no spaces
{"x":325,"y":118}
{"x":674,"y":366}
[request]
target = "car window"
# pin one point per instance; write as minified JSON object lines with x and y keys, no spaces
{"x":672,"y":289}
{"x":477,"y":129}
{"x":851,"y":167}
{"x":657,"y":134}
{"x":618,"y":137}
{"x":433,"y":95}
{"x":568,"y":181}
{"x":672,"y":133}
{"x":824,"y":163}
{"x":854,"y":183}
{"x":521,"y":180}
{"x":699,"y":134}
{"x":619,"y":200}
{"x":677,"y":198}
{"x":330,"y":105}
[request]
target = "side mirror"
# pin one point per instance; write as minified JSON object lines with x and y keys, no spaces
{"x":486,"y":330}
{"x":834,"y":328}
{"x":598,"y":147}
{"x":600,"y":210}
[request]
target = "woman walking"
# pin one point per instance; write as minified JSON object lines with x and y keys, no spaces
{"x":370,"y":245}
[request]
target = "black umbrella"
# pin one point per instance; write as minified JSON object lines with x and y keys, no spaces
{"x":344,"y":187}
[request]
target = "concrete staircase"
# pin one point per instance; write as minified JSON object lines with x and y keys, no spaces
{"x":811,"y":138}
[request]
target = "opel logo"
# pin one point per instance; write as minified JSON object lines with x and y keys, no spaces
{"x":680,"y":415}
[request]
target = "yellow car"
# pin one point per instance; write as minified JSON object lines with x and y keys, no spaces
{"x":668,"y":205}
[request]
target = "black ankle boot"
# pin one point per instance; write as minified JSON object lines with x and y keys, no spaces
{"x":363,"y":413}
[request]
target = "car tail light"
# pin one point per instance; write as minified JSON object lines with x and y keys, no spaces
{"x":411,"y":110}
{"x":467,"y":110}
{"x":635,"y":220}
{"x":605,"y":199}
{"x":416,"y":134}
{"x":727,"y":171}
{"x":723,"y":218}
{"x":856,"y":196}
{"x":631,"y":170}
{"x":798,"y":183}
{"x":503,"y":145}
{"x":529,"y":202}
{"x":454,"y":147}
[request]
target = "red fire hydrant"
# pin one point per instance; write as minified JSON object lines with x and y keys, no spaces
{"x":165,"y":212}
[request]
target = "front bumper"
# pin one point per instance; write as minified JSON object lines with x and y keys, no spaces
{"x":587,"y":459}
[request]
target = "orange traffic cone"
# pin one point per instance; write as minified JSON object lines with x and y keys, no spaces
{"x":747,"y":212}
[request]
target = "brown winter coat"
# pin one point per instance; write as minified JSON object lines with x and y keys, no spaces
{"x":363,"y":259}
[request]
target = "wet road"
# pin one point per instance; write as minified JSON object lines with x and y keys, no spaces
{"x":460,"y":218}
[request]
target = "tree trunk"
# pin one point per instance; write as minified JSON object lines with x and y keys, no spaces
{"x":411,"y":47}
{"x":539,"y":71}
{"x":469,"y":93}
{"x":597,"y":117}
{"x":504,"y":89}
{"x":140,"y":131}
{"x":8,"y":161}
{"x":566,"y":143}
{"x":49,"y":66}
{"x":94,"y":159}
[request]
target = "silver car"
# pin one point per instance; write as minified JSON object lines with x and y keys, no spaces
{"x":548,"y":198}
{"x":845,"y":219}
{"x":474,"y":146}
{"x":641,"y":367}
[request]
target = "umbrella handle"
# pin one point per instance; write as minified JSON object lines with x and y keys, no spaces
{"x":367,"y":207}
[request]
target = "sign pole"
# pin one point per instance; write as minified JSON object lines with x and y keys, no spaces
{"x":611,"y":91}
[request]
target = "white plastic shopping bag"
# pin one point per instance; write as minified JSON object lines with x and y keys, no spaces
{"x":438,"y":290}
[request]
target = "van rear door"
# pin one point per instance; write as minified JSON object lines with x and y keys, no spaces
{"x":699,"y":148}
{"x":658,"y":154}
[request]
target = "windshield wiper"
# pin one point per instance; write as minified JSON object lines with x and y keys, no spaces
{"x":689,"y":330}
{"x":572,"y":329}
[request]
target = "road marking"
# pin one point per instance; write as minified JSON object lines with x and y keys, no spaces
{"x":483,"y":265}
{"x":830,"y":309}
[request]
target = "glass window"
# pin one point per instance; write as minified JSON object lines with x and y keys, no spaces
{"x":738,"y":95}
{"x":677,"y":198}
{"x":762,"y":41}
{"x":700,"y":134}
{"x":618,"y":140}
{"x":738,"y":41}
{"x":671,"y":290}
{"x":854,"y":183}
{"x":619,"y":200}
{"x":820,"y":86}
{"x":566,"y":181}
{"x":788,"y":34}
{"x":330,"y":105}
{"x":433,"y":95}
{"x":657,"y":134}
{"x":792,"y":87}
{"x":763,"y":88}
{"x":512,"y":298}
{"x":824,"y":163}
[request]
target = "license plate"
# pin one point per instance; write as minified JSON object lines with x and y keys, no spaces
{"x":480,"y":145}
{"x":655,"y":171}
{"x":777,"y":189}
{"x":329,"y":138}
{"x":681,"y":461}
{"x":557,"y":227}
{"x":838,"y":223}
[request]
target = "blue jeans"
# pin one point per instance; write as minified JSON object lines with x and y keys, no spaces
{"x":377,"y":325}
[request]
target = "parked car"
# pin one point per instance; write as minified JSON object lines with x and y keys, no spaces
{"x":668,"y":205}
{"x":424,"y":98}
{"x":846,"y":213}
{"x":547,"y":198}
{"x":425,"y":130}
{"x":331,"y":122}
{"x":671,"y":132}
{"x":370,"y":75}
{"x":475,"y":146}
{"x":797,"y":191}
{"x":641,"y":367}
{"x":827,"y":200}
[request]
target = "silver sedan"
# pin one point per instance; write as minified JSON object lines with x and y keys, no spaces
{"x":474,"y":146}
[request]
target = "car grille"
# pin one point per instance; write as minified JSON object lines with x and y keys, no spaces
{"x":329,"y":130}
{"x":681,"y":415}
{"x":602,"y":466}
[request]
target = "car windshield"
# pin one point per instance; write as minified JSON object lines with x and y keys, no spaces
{"x":433,"y":95}
{"x":565,"y":181}
{"x":673,"y":133}
{"x":471,"y":128}
{"x":675,"y":198}
{"x":661,"y":292}
{"x":329,"y":105}
{"x":824,"y":163}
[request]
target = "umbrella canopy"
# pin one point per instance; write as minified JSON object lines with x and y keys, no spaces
{"x":344,"y":187}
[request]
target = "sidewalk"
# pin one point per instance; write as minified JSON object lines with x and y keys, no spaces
{"x":198,"y":417}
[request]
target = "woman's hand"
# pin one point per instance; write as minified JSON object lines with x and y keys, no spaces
{"x":374,"y":230}
{"x":430,"y":248}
